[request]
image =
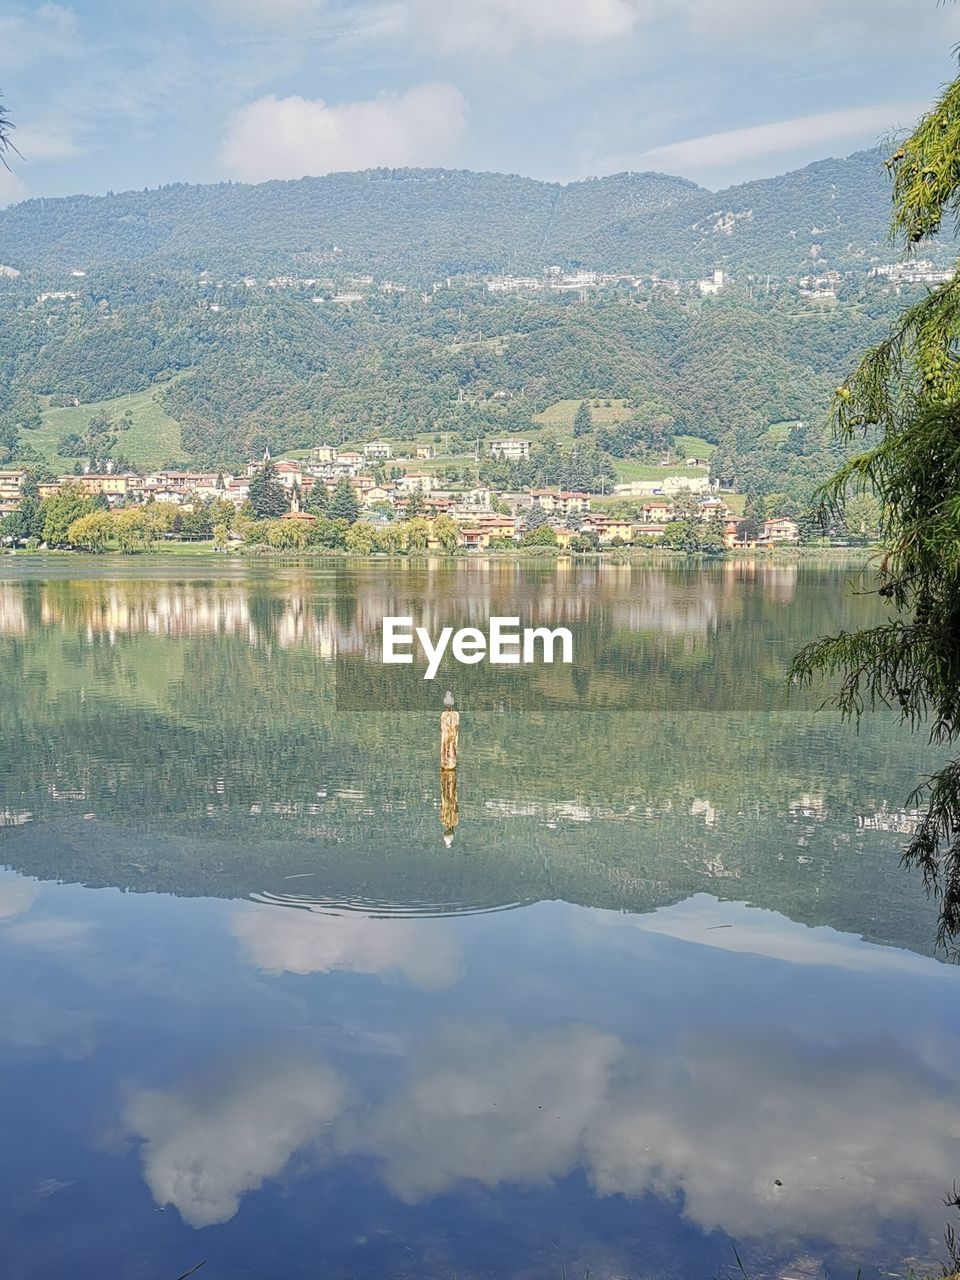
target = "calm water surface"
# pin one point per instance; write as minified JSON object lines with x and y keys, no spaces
{"x":661,"y":993}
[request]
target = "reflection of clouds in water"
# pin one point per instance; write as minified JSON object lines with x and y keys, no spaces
{"x":204,"y":1148}
{"x":733,"y":926}
{"x":30,"y":1025}
{"x":17,"y":896}
{"x":279,"y":940}
{"x":858,"y":1141}
{"x":50,"y":934}
{"x":495,"y":1112}
{"x":860,"y":1133}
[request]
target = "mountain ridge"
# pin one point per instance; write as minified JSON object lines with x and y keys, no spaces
{"x":420,"y":223}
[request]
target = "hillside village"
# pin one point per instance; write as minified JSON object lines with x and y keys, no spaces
{"x":644,"y":499}
{"x":552,"y":281}
{"x":391,"y":491}
{"x":719,"y":374}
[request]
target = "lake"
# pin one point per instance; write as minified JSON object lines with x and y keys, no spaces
{"x":649,"y":992}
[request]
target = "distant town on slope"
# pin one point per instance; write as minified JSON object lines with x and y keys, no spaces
{"x":190,"y":328}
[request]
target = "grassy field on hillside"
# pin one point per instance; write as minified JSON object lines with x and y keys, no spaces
{"x":603,"y":411}
{"x":693,"y":447}
{"x":152,"y":439}
{"x":778,"y":432}
{"x":628,"y":470}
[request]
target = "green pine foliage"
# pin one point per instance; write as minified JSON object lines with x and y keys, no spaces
{"x":343,"y":502}
{"x":900,"y":411}
{"x":267,"y":497}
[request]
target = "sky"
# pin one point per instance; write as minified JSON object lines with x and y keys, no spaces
{"x":111,"y":95}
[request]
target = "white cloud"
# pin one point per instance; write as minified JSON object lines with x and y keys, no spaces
{"x":859,"y":1136}
{"x":204,"y":1148}
{"x":267,"y":13}
{"x":16,"y":895}
{"x":857,"y":1144}
{"x":52,"y":933}
{"x":293,"y":137}
{"x":45,"y":142}
{"x":830,"y":130}
{"x":48,"y":32}
{"x":280,"y":941}
{"x":31,"y":1025}
{"x":816,"y":21}
{"x":502,"y":25}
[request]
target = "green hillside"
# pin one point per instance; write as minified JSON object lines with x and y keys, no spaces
{"x":273,"y":362}
{"x":151,"y":439}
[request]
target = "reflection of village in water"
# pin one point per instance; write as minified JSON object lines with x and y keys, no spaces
{"x":697,"y":773}
{"x":283,"y":609}
{"x":329,"y":614}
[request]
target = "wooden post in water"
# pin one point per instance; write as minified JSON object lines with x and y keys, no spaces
{"x":449,"y":733}
{"x":449,"y":741}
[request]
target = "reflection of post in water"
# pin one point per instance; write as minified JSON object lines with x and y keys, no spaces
{"x":449,"y":742}
{"x":449,"y":804}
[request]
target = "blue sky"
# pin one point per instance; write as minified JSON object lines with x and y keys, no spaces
{"x":118,"y":94}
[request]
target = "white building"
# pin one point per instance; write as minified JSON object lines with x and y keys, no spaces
{"x":713,"y":284}
{"x":417,"y":482}
{"x":782,"y":529}
{"x":512,"y":284}
{"x":510,"y":450}
{"x":922,"y":271}
{"x":669,"y":487}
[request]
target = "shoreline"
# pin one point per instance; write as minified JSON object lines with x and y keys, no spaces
{"x":176,"y":551}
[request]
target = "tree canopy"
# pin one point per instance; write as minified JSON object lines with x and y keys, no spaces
{"x":901,"y":407}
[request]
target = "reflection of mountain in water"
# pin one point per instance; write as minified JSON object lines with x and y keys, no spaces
{"x":401,"y":869}
{"x":185,"y":735}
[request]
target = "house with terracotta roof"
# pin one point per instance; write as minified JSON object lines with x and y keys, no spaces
{"x":658,"y":509}
{"x":607,"y":528}
{"x":237,"y":491}
{"x":484,"y":529}
{"x":376,"y":493}
{"x":288,"y":473}
{"x":779,"y":530}
{"x":731,"y":532}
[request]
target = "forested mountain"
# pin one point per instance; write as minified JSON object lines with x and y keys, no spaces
{"x":143,"y":296}
{"x":418,"y":224}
